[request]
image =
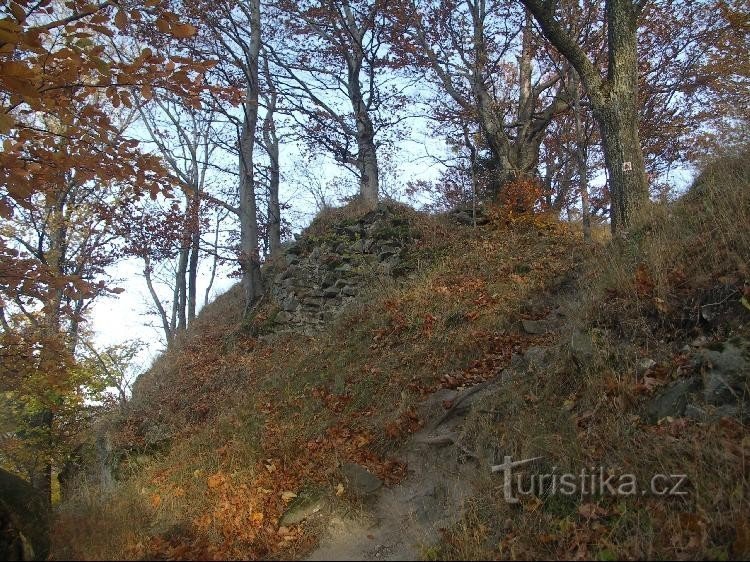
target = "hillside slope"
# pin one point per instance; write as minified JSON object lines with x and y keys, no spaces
{"x":367,"y":427}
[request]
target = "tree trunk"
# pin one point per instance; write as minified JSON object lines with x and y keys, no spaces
{"x":614,"y":100}
{"x":249,"y":256}
{"x":195,"y":242}
{"x":369,"y":185}
{"x":193,"y":275}
{"x":181,"y":286}
{"x":367,"y":158}
{"x":271,"y":141}
{"x":618,"y":117}
{"x":582,"y":160}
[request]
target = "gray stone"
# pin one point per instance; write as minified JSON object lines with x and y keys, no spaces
{"x":673,"y":399}
{"x":348,"y":291}
{"x":330,"y":292}
{"x":290,"y":304}
{"x":581,"y":347}
{"x":283,"y":317}
{"x":536,"y":357}
{"x":644,"y":366}
{"x":301,"y":508}
{"x":725,"y":373}
{"x":361,"y":481}
{"x":535,"y":327}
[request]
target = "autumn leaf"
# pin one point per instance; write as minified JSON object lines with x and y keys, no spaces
{"x":288,"y":496}
{"x":121,"y":20}
{"x":155,"y":501}
{"x":182,"y":30}
{"x":215,"y":480}
{"x":591,"y":511}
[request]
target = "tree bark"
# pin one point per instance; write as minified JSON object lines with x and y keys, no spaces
{"x":181,"y":286}
{"x":249,"y":257}
{"x":582,"y":160}
{"x":614,"y":99}
{"x":271,"y":141}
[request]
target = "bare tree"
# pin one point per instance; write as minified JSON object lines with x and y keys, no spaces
{"x":466,"y":47}
{"x":333,"y":67}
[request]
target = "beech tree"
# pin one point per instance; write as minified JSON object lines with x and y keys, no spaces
{"x":613,"y":96}
{"x":66,"y":162}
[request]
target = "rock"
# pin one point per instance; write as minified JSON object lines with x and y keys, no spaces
{"x":24,"y":529}
{"x":290,"y":304}
{"x":361,"y":482}
{"x":535,"y":327}
{"x":644,"y":366}
{"x":581,"y":347}
{"x":331,"y":292}
{"x":348,"y":291}
{"x":517,"y":362}
{"x":673,"y":399}
{"x":700,"y":341}
{"x":283,"y":317}
{"x":302,"y":507}
{"x":536,"y":357}
{"x":726,"y":373}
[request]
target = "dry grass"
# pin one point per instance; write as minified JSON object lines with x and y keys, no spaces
{"x":249,"y":421}
{"x":640,"y":297}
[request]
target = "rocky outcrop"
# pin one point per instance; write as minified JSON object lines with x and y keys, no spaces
{"x":317,"y":276}
{"x":716,"y":383}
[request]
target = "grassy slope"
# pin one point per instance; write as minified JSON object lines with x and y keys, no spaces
{"x":251,"y":420}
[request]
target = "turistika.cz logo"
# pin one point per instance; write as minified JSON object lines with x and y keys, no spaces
{"x":593,"y":481}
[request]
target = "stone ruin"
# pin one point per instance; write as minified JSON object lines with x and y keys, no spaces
{"x":318,"y":275}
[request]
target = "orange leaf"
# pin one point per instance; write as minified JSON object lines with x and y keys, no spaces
{"x":215,"y":480}
{"x":183,"y":30}
{"x":121,"y":20}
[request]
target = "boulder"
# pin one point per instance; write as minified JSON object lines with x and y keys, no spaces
{"x":303,"y":506}
{"x":359,"y":480}
{"x":673,"y":399}
{"x":24,"y":522}
{"x":726,"y":373}
{"x":535,"y":327}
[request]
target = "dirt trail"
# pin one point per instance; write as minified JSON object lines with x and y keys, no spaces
{"x":401,"y":520}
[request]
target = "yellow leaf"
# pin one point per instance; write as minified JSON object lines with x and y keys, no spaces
{"x":287,"y":496}
{"x":340,"y":489}
{"x":745,"y":302}
{"x":257,"y":517}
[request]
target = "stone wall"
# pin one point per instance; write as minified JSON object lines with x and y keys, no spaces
{"x":318,"y":275}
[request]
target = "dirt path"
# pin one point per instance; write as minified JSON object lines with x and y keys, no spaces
{"x":405,"y":518}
